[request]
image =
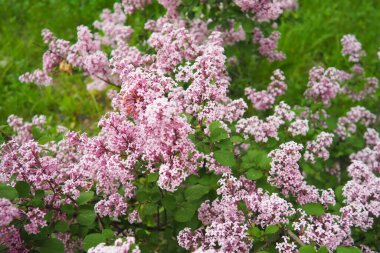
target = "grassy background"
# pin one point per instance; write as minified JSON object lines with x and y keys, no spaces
{"x":310,"y":37}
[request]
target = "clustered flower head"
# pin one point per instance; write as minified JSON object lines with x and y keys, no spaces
{"x":318,"y":147}
{"x":119,"y":246}
{"x":268,"y":45}
{"x":263,"y":100}
{"x":347,"y":125}
{"x":352,"y":47}
{"x":324,"y":84}
{"x":226,"y":225}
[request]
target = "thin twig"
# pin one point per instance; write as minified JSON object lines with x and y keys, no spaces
{"x":294,"y":237}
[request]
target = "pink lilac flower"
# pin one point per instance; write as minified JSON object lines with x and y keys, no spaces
{"x":11,"y":238}
{"x":263,"y":100}
{"x":261,"y":130}
{"x":266,"y":10}
{"x":318,"y":147}
{"x":329,"y":230}
{"x":347,"y":125}
{"x":120,"y":246}
{"x":286,"y":246}
{"x":285,"y":175}
{"x":268,"y":46}
{"x":352,"y":47}
{"x":113,"y":206}
{"x":7,"y":212}
{"x":323,"y":84}
{"x":370,"y":87}
{"x":362,"y":196}
{"x":134,"y":217}
{"x":371,"y":137}
{"x":131,"y":5}
{"x":114,"y":32}
{"x":36,"y":221}
{"x":299,"y":127}
{"x":38,"y":77}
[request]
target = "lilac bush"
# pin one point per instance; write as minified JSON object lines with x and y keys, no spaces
{"x":178,"y":163}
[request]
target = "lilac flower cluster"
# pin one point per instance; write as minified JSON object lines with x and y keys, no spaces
{"x":318,"y":147}
{"x":352,"y":47}
{"x":268,"y":45}
{"x":347,"y":125}
{"x":226,"y":226}
{"x":263,"y":100}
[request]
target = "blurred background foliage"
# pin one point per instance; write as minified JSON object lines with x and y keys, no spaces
{"x":310,"y":37}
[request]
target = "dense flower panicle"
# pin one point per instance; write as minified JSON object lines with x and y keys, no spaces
{"x":371,"y":137}
{"x":223,"y":214}
{"x":352,"y":47}
{"x":285,"y":175}
{"x":11,"y":238}
{"x":266,"y":10}
{"x":23,"y":130}
{"x":120,"y":246}
{"x":263,"y":100}
{"x":7,"y":212}
{"x":131,"y":5}
{"x":173,"y":45}
{"x":362,"y":196}
{"x":328,"y":230}
{"x":115,"y":33}
{"x":318,"y":147}
{"x":268,"y":45}
{"x":347,"y":125}
{"x":37,"y":221}
{"x":113,"y":206}
{"x":299,"y":127}
{"x":323,"y":84}
{"x":261,"y":130}
{"x":38,"y":77}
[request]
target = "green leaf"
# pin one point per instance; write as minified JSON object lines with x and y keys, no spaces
{"x":339,"y":193}
{"x":236,"y":139}
{"x":314,"y":209}
{"x":68,"y":208}
{"x":342,"y":249}
{"x":152,"y":177}
{"x":196,"y":192}
{"x":108,"y":233}
{"x":225,"y":157}
{"x":216,"y":132}
{"x":149,"y":209}
{"x":92,"y":240}
{"x":307,"y":249}
{"x":185,"y":213}
{"x":86,"y":217}
{"x":254,"y":174}
{"x":323,"y":249}
{"x":85,"y":197}
{"x":23,"y":189}
{"x":169,"y":202}
{"x":61,"y":226}
{"x":8,"y":192}
{"x":52,"y":245}
{"x":255,"y":231}
{"x":271,"y":229}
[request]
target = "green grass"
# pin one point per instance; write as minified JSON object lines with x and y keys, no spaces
{"x":310,"y":37}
